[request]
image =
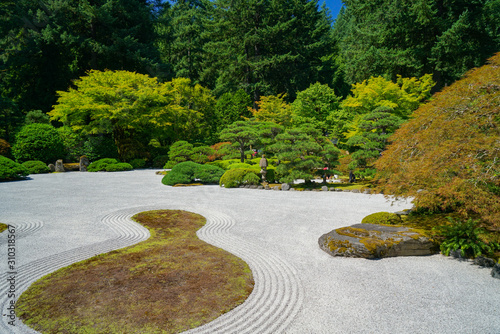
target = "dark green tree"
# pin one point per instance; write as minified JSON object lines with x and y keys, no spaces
{"x":303,"y":152}
{"x":374,"y":130}
{"x":242,"y":134}
{"x":414,"y":37}
{"x":266,"y":47}
{"x":232,"y":107}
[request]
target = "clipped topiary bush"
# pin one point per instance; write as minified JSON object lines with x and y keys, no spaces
{"x":119,"y":167}
{"x":138,"y":163}
{"x":101,"y":164}
{"x":382,"y":218}
{"x":208,"y":174}
{"x":11,"y":170}
{"x":38,"y":142}
{"x":181,"y":173}
{"x":234,"y":177}
{"x":251,"y":179}
{"x":36,"y":167}
{"x":243,"y":165}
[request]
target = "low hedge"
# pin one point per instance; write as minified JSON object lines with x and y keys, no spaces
{"x":100,"y":165}
{"x":36,"y":167}
{"x":11,"y":170}
{"x":119,"y":167}
{"x":138,"y":163}
{"x":235,"y":177}
{"x":189,"y":172}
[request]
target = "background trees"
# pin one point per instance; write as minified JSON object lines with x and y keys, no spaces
{"x":134,"y":109}
{"x":411,"y":38}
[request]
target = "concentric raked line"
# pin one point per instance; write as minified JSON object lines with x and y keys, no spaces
{"x":277,"y":295}
{"x":127,"y":233}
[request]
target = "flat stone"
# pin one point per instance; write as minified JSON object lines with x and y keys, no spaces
{"x":376,"y":241}
{"x":324,"y":188}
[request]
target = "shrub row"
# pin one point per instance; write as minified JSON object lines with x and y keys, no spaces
{"x":11,"y":170}
{"x":189,"y":172}
{"x":109,"y":165}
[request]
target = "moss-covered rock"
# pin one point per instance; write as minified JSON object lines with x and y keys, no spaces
{"x":376,"y":241}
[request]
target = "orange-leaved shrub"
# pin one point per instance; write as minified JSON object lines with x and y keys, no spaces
{"x":448,"y":155}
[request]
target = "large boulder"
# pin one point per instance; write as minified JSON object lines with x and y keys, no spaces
{"x":373,"y":241}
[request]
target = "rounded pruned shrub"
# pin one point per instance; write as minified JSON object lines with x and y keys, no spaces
{"x":11,"y":170}
{"x":382,"y":218}
{"x":208,"y":174}
{"x":36,"y":167}
{"x":243,"y":165}
{"x":38,"y":142}
{"x":101,"y":164}
{"x":251,"y":179}
{"x":181,"y":173}
{"x":119,"y":167}
{"x":234,"y":177}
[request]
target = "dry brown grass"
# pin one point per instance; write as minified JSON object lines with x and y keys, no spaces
{"x":167,"y":284}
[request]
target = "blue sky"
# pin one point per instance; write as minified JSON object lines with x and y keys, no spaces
{"x":333,"y":5}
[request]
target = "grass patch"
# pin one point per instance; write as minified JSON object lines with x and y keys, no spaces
{"x":3,"y":227}
{"x":167,"y":284}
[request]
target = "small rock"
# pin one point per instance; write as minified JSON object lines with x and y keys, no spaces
{"x":84,"y":163}
{"x":366,"y":191}
{"x":253,"y":187}
{"x":52,"y":168}
{"x":484,"y":262}
{"x":267,"y":187}
{"x":355,"y":191}
{"x":59,"y":166}
{"x":285,"y":187}
{"x":292,"y":189}
{"x":324,"y":188}
{"x":276,"y":188}
{"x":260,"y":187}
{"x":495,"y":272}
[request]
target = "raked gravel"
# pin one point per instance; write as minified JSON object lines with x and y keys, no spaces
{"x":67,"y":217}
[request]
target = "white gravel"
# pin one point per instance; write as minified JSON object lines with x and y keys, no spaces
{"x":63,"y":217}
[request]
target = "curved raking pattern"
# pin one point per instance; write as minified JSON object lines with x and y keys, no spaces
{"x":272,"y":305}
{"x":277,"y":295}
{"x":127,"y":233}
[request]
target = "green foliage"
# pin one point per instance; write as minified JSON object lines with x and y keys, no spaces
{"x":403,"y":97}
{"x":387,"y":218}
{"x":303,"y":152}
{"x":464,"y":236}
{"x":243,"y":165}
{"x":233,"y":178}
{"x":273,"y":109}
{"x":119,"y":167}
{"x":160,"y":161}
{"x":266,"y":47}
{"x":134,"y":109}
{"x":232,"y":107}
{"x":181,"y":151}
{"x":36,"y":167}
{"x":242,"y":134}
{"x":318,"y":102}
{"x":251,"y":179}
{"x":181,"y":173}
{"x":38,"y":142}
{"x":138,"y":163}
{"x":371,"y":138}
{"x":10,"y":170}
{"x":411,"y":38}
{"x":208,"y":174}
{"x":446,"y":156}
{"x":101,"y":164}
{"x":37,"y":116}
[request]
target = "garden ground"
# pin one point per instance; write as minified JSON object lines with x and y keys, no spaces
{"x":63,"y":218}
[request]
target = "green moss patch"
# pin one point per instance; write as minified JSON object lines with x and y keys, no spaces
{"x":167,"y":284}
